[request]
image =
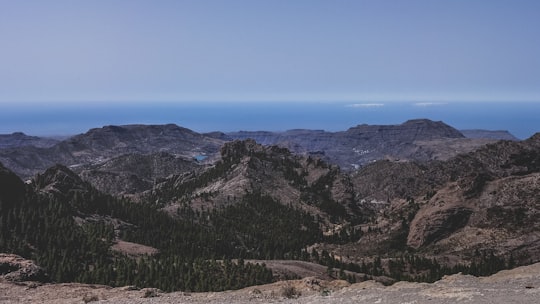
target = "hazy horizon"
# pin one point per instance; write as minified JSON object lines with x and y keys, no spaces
{"x":519,"y":118}
{"x":207,"y":65}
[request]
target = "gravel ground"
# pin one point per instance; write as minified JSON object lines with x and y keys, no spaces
{"x":520,"y":285}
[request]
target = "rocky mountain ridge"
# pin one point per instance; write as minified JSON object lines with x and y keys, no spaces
{"x":472,"y":212}
{"x":488,"y":134}
{"x":424,"y":207}
{"x":101,"y":144}
{"x":482,"y":202}
{"x":407,"y":220}
{"x":419,"y":139}
{"x":245,"y":166}
{"x":362,"y":144}
{"x":19,"y":139}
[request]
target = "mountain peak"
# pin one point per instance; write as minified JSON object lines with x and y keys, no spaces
{"x":60,"y":179}
{"x":535,"y":137}
{"x":409,"y":131}
{"x":238,"y":148}
{"x":425,"y":121}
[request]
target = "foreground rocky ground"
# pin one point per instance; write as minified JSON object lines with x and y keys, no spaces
{"x":519,"y":285}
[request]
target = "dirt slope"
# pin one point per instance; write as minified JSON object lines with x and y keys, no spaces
{"x":519,"y":285}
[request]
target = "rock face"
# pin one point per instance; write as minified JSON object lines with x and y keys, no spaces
{"x":14,"y":268}
{"x":437,"y":220}
{"x":60,"y":181}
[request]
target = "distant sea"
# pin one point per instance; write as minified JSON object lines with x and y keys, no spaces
{"x":522,"y":119}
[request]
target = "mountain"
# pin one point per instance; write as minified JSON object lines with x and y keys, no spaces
{"x":474,"y":206}
{"x":487,"y":134}
{"x":474,"y":213}
{"x":19,"y":139}
{"x":389,"y":208}
{"x":135,"y":173}
{"x":360,"y":145}
{"x":420,"y":217}
{"x":246,"y":167}
{"x":101,"y":144}
{"x":71,"y":230}
{"x":419,"y":139}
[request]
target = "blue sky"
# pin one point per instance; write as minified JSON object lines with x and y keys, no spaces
{"x":113,"y":53}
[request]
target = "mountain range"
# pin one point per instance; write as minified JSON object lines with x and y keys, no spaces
{"x":413,"y":201}
{"x":419,"y":139}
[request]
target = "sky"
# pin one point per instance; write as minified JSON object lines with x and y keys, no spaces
{"x":108,"y":55}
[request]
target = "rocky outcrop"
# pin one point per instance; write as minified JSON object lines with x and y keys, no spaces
{"x":14,"y":268}
{"x":60,"y":180}
{"x":438,"y":218}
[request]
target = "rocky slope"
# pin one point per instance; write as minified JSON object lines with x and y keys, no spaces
{"x":305,"y":183}
{"x":14,"y":268}
{"x":456,"y":211}
{"x":520,"y":285}
{"x":483,"y":202}
{"x":474,"y":212}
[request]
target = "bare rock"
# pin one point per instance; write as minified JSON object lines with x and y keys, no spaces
{"x":439,"y":218}
{"x":14,"y":268}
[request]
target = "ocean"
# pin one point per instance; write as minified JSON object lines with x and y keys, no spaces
{"x":522,"y":119}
